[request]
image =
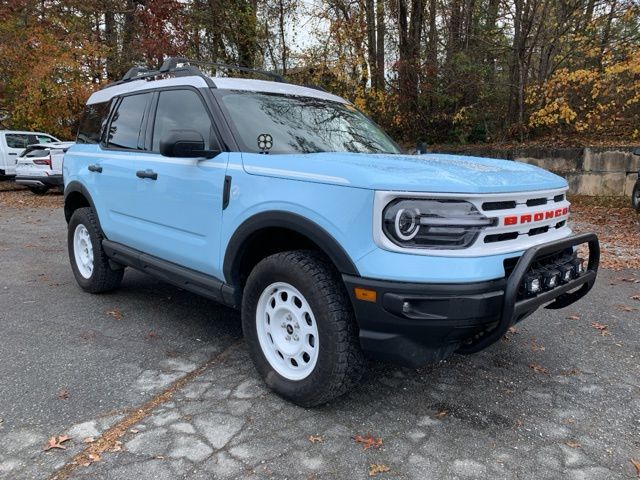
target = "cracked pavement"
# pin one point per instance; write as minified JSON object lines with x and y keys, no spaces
{"x":168,"y":391}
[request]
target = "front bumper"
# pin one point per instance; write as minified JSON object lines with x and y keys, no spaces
{"x":415,"y":324}
{"x":40,"y":181}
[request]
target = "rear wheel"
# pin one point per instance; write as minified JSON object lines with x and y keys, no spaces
{"x":300,"y":328}
{"x":39,"y":190}
{"x":635,"y":196}
{"x":89,"y":263}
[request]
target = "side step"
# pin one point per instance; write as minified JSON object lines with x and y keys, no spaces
{"x":185,"y":278}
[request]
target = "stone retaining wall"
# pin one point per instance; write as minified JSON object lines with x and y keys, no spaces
{"x":589,"y":171}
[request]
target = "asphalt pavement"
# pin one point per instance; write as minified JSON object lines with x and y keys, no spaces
{"x":151,"y":382}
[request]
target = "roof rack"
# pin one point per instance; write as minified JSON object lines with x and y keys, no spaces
{"x":182,"y":66}
{"x":178,"y":63}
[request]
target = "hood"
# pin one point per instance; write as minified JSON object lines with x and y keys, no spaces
{"x":420,"y":173}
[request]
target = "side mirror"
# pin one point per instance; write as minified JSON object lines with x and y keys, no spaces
{"x":421,"y":147}
{"x":184,"y":144}
{"x":637,"y":151}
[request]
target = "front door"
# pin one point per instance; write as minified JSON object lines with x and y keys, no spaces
{"x":181,"y":198}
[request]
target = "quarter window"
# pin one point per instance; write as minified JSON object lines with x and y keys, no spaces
{"x":92,"y":123}
{"x":182,"y":110}
{"x":124,"y":130}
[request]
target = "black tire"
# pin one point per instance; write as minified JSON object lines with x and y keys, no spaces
{"x":39,"y":190}
{"x":340,"y":362}
{"x":103,"y":278}
{"x":635,"y":196}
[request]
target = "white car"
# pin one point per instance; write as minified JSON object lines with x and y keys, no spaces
{"x":39,"y":166}
{"x":13,"y":142}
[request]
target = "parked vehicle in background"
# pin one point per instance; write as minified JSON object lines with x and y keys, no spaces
{"x":635,"y":194}
{"x":39,"y":166}
{"x":13,"y":142}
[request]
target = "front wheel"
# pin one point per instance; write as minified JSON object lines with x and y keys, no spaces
{"x":89,"y":262}
{"x":300,"y":328}
{"x":635,"y":196}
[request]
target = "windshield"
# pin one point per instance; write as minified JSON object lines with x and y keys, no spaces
{"x":274,"y":123}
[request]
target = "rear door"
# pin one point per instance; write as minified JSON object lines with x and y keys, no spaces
{"x":113,"y":172}
{"x":181,"y":208}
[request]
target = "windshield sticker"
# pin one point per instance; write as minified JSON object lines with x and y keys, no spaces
{"x":265,"y":142}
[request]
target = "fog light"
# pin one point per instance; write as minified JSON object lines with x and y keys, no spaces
{"x":533,"y":284}
{"x":578,"y":266}
{"x":551,"y":279}
{"x":566,"y":272}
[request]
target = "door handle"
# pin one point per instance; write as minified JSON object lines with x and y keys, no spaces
{"x":95,"y":168}
{"x":150,"y":174}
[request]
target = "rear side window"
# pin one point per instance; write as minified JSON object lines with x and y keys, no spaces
{"x":124,"y":129}
{"x":182,"y":110}
{"x":92,"y":123}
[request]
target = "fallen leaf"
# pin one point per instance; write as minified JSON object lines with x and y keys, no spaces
{"x":89,"y":440}
{"x":56,"y":442}
{"x":636,"y":464}
{"x":538,"y":368}
{"x":604,"y":329}
{"x":441,"y":413}
{"x":368,"y":441}
{"x":117,"y":447}
{"x":635,"y":297}
{"x":537,"y":348}
{"x":626,"y":308}
{"x":94,"y":457}
{"x":519,"y":422}
{"x":134,"y":430}
{"x":315,"y":438}
{"x":63,"y":394}
{"x":151,"y":336}
{"x":115,"y":313}
{"x":376,"y":468}
{"x":572,"y":444}
{"x":573,"y":317}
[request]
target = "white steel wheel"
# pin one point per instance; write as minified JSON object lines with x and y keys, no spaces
{"x":287,"y":331}
{"x":83,"y":251}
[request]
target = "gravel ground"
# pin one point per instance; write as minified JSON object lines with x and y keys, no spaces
{"x":154,"y":382}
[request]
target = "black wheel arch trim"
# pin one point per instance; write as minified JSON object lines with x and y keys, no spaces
{"x":292,"y":221}
{"x":76,"y":186}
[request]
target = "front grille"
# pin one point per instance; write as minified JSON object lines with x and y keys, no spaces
{"x":491,"y":206}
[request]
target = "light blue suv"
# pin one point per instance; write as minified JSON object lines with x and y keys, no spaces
{"x":287,"y":203}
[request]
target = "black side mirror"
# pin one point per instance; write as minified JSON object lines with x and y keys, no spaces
{"x":421,"y":147}
{"x":637,"y":151}
{"x":185,"y":144}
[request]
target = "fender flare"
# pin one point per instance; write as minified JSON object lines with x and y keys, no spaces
{"x":291,"y":221}
{"x":76,"y":186}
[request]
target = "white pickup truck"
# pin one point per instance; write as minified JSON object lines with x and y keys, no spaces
{"x":12,"y":143}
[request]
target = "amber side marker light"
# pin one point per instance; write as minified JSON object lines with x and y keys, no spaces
{"x":365,"y":294}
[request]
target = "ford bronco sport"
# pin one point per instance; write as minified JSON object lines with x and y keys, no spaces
{"x":287,"y":203}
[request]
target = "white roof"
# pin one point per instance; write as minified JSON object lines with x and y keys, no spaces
{"x":225,"y":83}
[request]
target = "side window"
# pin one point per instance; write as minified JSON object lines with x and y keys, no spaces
{"x":17,"y":140}
{"x":45,"y":139}
{"x":124,"y":130}
{"x":92,"y":123}
{"x":182,"y":110}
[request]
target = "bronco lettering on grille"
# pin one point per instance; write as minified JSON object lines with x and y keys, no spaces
{"x":536,"y":217}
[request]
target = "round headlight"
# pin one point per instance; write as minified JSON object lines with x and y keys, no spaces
{"x":407,"y":223}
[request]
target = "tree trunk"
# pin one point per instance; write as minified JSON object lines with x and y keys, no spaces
{"x":370,"y":19}
{"x":380,"y":24}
